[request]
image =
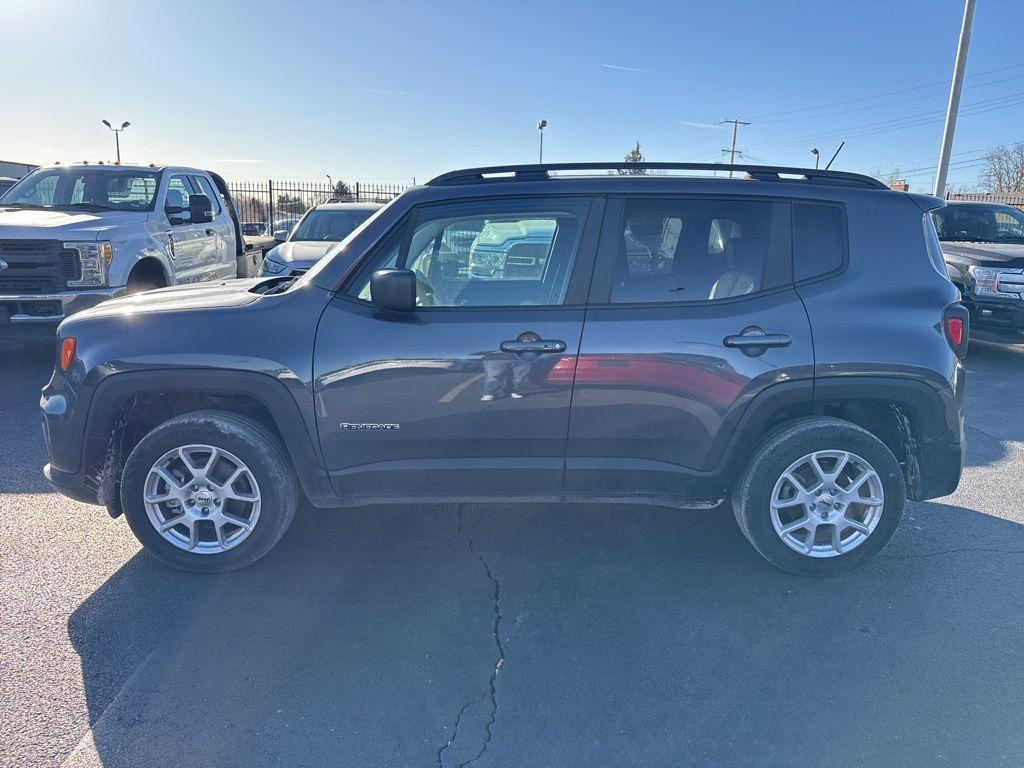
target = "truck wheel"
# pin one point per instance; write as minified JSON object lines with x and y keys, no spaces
{"x":820,"y":496}
{"x":209,"y":491}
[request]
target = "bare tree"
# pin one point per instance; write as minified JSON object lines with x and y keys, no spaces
{"x":1004,"y":169}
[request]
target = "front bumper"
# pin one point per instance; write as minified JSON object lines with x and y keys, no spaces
{"x":48,"y":309}
{"x":1001,"y":321}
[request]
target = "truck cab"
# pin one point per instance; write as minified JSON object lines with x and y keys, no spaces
{"x":73,"y":236}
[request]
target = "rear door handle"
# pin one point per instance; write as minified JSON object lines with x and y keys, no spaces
{"x":754,"y":340}
{"x":540,"y":345}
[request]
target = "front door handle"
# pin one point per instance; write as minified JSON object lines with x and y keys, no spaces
{"x":209,"y":232}
{"x":533,"y":345}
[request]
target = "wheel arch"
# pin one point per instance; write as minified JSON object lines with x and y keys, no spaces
{"x":126,"y":406}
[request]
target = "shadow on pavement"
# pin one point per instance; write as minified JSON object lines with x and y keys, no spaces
{"x":632,"y":636}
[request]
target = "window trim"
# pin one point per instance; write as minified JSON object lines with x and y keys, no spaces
{"x":579,"y":278}
{"x":778,"y":261}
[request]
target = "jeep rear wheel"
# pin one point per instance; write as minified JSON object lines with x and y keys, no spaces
{"x":820,"y":496}
{"x":208,"y":491}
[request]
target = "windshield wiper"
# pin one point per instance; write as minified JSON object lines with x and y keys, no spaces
{"x":87,"y":206}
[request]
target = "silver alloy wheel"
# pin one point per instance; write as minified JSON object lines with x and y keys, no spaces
{"x":827,"y":503}
{"x":202,"y":499}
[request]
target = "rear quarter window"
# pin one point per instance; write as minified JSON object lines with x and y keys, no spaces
{"x":819,"y":240}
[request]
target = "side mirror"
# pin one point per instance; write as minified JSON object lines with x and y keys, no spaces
{"x":393,"y":290}
{"x":200,"y":209}
{"x":281,"y":235}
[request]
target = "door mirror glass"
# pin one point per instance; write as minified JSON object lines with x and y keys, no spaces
{"x":200,"y":209}
{"x":393,"y":290}
{"x":281,"y":235}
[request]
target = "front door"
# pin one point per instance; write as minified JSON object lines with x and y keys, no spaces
{"x":469,"y":395}
{"x":192,"y":243}
{"x":692,"y":316}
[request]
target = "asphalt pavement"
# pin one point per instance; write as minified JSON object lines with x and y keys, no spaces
{"x":504,"y":635}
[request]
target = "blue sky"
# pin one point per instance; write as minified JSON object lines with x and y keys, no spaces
{"x":389,"y":91}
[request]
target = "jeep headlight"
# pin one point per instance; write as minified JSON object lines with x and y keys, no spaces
{"x":93,"y":258}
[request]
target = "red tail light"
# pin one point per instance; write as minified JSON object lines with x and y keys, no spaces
{"x":67,"y":352}
{"x":956,"y":327}
{"x":955,"y":330}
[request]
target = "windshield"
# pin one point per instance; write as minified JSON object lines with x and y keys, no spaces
{"x":980,"y":223}
{"x":329,"y":226}
{"x":67,"y":188}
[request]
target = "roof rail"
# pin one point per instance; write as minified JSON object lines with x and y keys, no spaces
{"x":535,"y":172}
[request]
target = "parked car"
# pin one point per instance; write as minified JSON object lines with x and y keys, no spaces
{"x":983,"y":246}
{"x":253,"y":228}
{"x":74,"y":236}
{"x":315,"y":234}
{"x":280,"y":228}
{"x":758,"y":353}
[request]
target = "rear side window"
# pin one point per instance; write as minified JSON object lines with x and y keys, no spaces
{"x":206,"y":189}
{"x":674,"y":250}
{"x":819,"y":240}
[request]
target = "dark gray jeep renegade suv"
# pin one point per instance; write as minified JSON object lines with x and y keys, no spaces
{"x":788,"y":340}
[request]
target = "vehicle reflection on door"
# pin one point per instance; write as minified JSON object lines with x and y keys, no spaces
{"x":697,"y":376}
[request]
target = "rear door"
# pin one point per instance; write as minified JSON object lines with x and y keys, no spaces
{"x":692,"y":315}
{"x":469,"y":395}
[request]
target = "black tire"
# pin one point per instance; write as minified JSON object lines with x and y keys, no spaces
{"x":753,"y":495}
{"x":140,"y":285}
{"x":246,"y":439}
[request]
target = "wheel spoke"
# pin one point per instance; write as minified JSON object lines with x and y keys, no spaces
{"x":171,"y":522}
{"x":812,"y":530}
{"x":837,"y":542}
{"x":796,"y":525}
{"x":167,"y":477}
{"x":222,"y":536}
{"x":214,"y":455}
{"x":156,"y":498}
{"x":241,"y":522}
{"x":857,"y":525}
{"x":193,"y":534}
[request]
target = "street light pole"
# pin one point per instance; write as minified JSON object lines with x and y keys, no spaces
{"x":817,"y":157}
{"x":117,"y":138}
{"x":954,"y":99}
{"x":540,"y":127}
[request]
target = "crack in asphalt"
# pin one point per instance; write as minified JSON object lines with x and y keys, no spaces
{"x":491,"y":691}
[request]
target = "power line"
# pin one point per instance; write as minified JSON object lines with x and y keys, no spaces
{"x":879,"y":95}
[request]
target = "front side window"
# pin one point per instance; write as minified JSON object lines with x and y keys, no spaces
{"x":329,"y":226}
{"x":95,"y":189}
{"x":676,"y":250}
{"x":496,"y":253}
{"x":178,"y":192}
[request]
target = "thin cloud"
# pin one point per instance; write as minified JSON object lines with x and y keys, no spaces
{"x":628,"y":69}
{"x":375,"y":91}
{"x":244,"y":160}
{"x":692,"y":124}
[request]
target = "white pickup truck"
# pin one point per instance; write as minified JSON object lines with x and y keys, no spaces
{"x":72,"y":236}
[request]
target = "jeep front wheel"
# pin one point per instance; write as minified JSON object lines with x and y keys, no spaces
{"x":208,"y":491}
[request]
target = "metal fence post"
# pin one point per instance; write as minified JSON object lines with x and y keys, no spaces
{"x":270,"y":207}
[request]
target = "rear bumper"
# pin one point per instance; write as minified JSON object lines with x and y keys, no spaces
{"x":48,"y":309}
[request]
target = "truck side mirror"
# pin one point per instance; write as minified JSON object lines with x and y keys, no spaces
{"x":280,"y":235}
{"x":393,"y":290}
{"x":200,"y":209}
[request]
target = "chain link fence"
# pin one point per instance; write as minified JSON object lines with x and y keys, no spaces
{"x":266,"y":206}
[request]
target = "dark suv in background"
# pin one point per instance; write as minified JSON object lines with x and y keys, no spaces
{"x":983,"y":245}
{"x":788,"y":340}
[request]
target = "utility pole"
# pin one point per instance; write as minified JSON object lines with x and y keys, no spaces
{"x":540,"y":127}
{"x":954,"y":99}
{"x":736,"y":123}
